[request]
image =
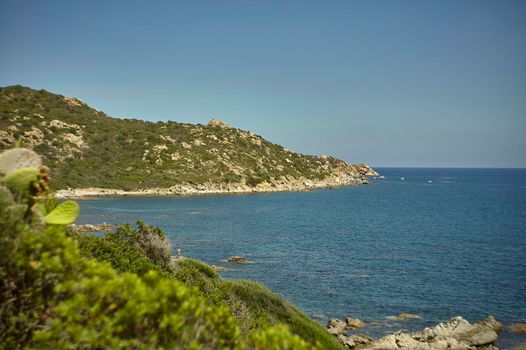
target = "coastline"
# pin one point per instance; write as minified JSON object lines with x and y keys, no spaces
{"x":283,"y":185}
{"x":374,"y":324}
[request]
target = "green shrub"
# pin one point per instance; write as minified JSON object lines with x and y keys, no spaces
{"x":278,"y":338}
{"x":122,"y":255}
{"x":107,"y":310}
{"x":150,"y":240}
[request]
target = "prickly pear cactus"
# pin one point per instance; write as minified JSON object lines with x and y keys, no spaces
{"x":6,"y":198}
{"x":18,"y":158}
{"x":23,"y":179}
{"x":20,"y":180}
{"x":63,"y":214}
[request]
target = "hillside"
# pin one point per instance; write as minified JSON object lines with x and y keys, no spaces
{"x":88,"y":149}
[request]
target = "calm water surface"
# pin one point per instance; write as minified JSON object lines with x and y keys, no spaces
{"x":452,"y":246}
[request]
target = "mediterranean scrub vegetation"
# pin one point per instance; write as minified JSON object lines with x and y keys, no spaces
{"x":66,"y":290}
{"x":87,"y":148}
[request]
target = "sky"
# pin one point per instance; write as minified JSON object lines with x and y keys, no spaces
{"x":390,"y":83}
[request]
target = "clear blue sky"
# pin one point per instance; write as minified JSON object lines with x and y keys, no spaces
{"x":391,"y":83}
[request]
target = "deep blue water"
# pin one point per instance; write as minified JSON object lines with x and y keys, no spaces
{"x":456,"y":246}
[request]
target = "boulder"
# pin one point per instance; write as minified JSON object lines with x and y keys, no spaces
{"x":218,"y":268}
{"x":354,"y":340}
{"x":335,"y":326}
{"x":217,"y":123}
{"x":354,"y":322}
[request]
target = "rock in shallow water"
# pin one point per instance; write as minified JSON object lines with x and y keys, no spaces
{"x":403,"y":316}
{"x":519,"y":328}
{"x":237,"y":259}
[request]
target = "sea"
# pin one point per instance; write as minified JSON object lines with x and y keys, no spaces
{"x":434,"y":242}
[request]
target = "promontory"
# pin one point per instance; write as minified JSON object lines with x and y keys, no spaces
{"x":92,"y":153}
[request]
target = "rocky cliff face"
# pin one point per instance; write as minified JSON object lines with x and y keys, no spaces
{"x":89,"y":149}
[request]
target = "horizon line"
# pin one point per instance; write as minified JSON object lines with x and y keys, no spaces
{"x":448,"y":167}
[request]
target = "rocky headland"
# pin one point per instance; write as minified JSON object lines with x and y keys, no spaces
{"x":93,"y":154}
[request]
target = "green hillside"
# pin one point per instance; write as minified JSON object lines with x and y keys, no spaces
{"x":87,"y":148}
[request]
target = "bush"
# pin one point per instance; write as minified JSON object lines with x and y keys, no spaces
{"x":122,"y":255}
{"x":278,"y":338}
{"x":107,"y":310}
{"x":150,"y":240}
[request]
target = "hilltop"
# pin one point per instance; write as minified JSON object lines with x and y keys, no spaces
{"x":90,"y":150}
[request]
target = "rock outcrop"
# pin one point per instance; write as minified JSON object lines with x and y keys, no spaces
{"x":457,"y":333}
{"x":354,"y":341}
{"x":336,"y":327}
{"x":217,"y":123}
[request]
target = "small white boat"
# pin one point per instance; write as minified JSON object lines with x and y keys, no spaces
{"x":381,"y":177}
{"x":402,"y":178}
{"x":429,"y":181}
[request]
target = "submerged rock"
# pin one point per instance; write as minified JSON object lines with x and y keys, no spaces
{"x":403,"y":316}
{"x":237,"y":259}
{"x":518,"y":328}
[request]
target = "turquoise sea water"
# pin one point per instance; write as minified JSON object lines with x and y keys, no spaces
{"x":453,"y":246}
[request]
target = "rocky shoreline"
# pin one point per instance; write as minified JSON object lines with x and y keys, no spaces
{"x":92,"y":228}
{"x":281,"y":185}
{"x":457,"y":333}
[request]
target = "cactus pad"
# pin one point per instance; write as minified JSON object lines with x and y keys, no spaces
{"x":18,"y":158}
{"x":20,"y":180}
{"x":63,"y":214}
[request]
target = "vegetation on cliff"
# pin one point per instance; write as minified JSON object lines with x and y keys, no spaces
{"x":252,"y":305}
{"x":70,"y":291}
{"x":87,"y":148}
